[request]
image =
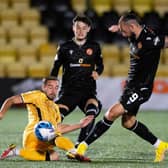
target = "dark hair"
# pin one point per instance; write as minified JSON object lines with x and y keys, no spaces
{"x":130,"y":16}
{"x":46,"y":79}
{"x":82,"y":18}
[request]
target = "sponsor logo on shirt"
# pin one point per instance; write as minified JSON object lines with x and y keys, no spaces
{"x":80,"y":65}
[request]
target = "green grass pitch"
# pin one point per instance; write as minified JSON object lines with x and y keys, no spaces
{"x":117,"y":148}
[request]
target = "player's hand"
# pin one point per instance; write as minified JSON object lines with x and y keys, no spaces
{"x":113,"y":28}
{"x":85,"y":121}
{"x":95,"y":75}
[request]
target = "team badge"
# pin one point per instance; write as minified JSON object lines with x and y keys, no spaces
{"x":89,"y":51}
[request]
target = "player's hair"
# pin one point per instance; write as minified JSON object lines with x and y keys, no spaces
{"x":128,"y":16}
{"x":46,"y":79}
{"x":82,"y":18}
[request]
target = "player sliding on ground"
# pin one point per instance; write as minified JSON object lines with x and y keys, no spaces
{"x":40,"y":106}
{"x":145,"y":48}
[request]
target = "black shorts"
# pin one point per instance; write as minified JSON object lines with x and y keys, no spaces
{"x":132,"y":98}
{"x":73,"y":100}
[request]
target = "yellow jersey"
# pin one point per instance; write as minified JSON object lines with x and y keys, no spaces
{"x":40,"y":108}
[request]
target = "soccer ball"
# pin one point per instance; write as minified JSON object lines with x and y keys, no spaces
{"x":44,"y":131}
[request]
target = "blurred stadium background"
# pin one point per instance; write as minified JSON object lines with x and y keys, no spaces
{"x":30,"y":31}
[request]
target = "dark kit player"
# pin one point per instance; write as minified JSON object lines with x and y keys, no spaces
{"x":145,"y":48}
{"x":82,"y":64}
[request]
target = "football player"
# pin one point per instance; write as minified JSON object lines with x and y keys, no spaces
{"x":145,"y":48}
{"x":40,"y":106}
{"x":82,"y":64}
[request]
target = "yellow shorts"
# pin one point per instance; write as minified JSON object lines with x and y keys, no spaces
{"x":31,"y":142}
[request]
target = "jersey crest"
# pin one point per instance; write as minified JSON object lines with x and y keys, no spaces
{"x":89,"y":51}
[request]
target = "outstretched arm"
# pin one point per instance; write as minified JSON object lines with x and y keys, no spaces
{"x":65,"y":128}
{"x":114,"y":28}
{"x":8,"y":103}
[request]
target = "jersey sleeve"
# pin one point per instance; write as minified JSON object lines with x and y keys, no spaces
{"x":58,"y":61}
{"x":30,"y":97}
{"x":58,"y":119}
{"x":99,"y":60}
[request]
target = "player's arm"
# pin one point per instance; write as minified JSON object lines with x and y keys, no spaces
{"x":8,"y":103}
{"x":65,"y":128}
{"x":114,"y":28}
{"x":99,"y":64}
{"x":57,"y":62}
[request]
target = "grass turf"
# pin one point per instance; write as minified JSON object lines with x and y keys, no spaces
{"x":117,"y":148}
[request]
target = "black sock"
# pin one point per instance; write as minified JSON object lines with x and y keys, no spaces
{"x":142,"y":131}
{"x":47,"y":156}
{"x":101,"y":127}
{"x":84,"y":132}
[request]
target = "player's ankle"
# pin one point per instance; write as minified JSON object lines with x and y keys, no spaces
{"x":157,"y":143}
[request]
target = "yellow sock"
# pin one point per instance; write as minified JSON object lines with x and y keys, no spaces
{"x":82,"y":147}
{"x":64,"y":143}
{"x":30,"y":154}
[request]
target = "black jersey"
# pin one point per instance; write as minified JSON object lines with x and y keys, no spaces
{"x":78,"y":63}
{"x":144,"y":58}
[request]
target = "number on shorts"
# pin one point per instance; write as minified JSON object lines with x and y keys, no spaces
{"x":133,"y":97}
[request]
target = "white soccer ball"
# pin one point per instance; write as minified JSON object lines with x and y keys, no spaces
{"x":44,"y":131}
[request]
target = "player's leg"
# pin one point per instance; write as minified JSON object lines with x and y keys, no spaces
{"x":91,"y":107}
{"x":130,"y":122}
{"x":33,"y":149}
{"x":67,"y":145}
{"x":38,"y":150}
{"x":29,"y":154}
{"x":101,"y":127}
{"x":64,"y":110}
{"x":142,"y":131}
{"x":135,"y":99}
{"x":67,"y":104}
{"x":64,"y":143}
{"x":32,"y":154}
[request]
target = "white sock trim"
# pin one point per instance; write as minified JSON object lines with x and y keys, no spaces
{"x":135,"y":125}
{"x":156,"y":144}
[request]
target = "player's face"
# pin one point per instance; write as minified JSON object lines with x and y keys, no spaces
{"x":80,"y":30}
{"x":126,"y":30}
{"x":51,"y":89}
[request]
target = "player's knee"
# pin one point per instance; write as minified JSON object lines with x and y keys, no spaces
{"x":111,"y":115}
{"x":54,"y":156}
{"x":114,"y":112}
{"x":92,"y":109}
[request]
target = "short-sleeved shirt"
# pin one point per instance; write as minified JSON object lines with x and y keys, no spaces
{"x":40,"y":108}
{"x":78,"y":63}
{"x":144,"y":58}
